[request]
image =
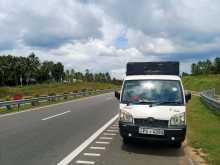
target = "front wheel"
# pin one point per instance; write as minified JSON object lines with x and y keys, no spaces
{"x":126,"y":140}
{"x":176,"y":144}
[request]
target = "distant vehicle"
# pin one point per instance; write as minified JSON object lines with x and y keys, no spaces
{"x":153,"y":103}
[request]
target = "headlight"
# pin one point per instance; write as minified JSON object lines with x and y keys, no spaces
{"x":126,"y":117}
{"x":177,"y":120}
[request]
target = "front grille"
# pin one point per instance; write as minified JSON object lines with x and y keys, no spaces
{"x":151,"y":122}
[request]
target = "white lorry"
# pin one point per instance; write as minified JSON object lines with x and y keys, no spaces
{"x":153,"y":103}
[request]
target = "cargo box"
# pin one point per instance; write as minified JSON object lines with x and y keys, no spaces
{"x":152,"y":68}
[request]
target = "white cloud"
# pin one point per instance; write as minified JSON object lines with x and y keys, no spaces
{"x":104,"y":35}
{"x":50,"y":24}
{"x":149,"y":44}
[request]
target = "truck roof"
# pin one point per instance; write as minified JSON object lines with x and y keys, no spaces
{"x":154,"y":77}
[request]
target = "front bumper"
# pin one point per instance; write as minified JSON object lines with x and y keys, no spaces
{"x":170,"y":134}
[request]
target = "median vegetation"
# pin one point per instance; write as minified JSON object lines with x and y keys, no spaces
{"x":53,"y":88}
{"x":204,"y":130}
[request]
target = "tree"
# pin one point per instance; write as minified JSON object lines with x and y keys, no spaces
{"x":79,"y":76}
{"x":58,"y":71}
{"x":194,"y":69}
{"x":107,"y":77}
{"x":87,"y":75}
{"x":217,"y":65}
{"x":67,"y":75}
{"x":46,"y":71}
{"x":32,"y":67}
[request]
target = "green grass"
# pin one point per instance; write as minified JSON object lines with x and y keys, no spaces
{"x":202,"y":82}
{"x":204,"y":130}
{"x":45,"y":89}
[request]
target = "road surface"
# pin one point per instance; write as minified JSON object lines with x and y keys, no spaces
{"x":81,"y":131}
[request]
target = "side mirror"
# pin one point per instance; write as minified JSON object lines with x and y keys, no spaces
{"x":188,"y":96}
{"x":117,"y":95}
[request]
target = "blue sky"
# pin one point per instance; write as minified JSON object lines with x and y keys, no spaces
{"x":105,"y":35}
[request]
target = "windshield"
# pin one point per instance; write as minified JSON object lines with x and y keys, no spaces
{"x":152,"y":92}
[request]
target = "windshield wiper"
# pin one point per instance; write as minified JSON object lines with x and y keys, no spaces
{"x":146,"y":102}
{"x":165,"y":103}
{"x":138,"y":102}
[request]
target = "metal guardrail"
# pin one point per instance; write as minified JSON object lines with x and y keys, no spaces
{"x":209,"y":97}
{"x":50,"y":98}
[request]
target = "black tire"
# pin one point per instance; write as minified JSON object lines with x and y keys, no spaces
{"x":126,"y":140}
{"x":176,"y":144}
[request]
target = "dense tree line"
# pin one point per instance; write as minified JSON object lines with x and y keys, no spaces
{"x":71,"y":75}
{"x":28,"y":70}
{"x":206,"y":67}
{"x":25,"y":70}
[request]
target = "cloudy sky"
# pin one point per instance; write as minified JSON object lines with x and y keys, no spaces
{"x":103,"y":35}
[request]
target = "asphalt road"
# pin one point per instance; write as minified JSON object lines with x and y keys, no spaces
{"x":83,"y":131}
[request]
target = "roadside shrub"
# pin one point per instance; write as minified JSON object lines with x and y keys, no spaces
{"x":84,"y":90}
{"x":75,"y":91}
{"x":4,"y":91}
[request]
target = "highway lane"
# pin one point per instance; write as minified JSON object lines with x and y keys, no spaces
{"x":26,"y":138}
{"x":51,"y":134}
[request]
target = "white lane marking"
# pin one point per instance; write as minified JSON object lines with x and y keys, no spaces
{"x":84,"y":162}
{"x":87,"y":142}
{"x":109,"y":134}
{"x":110,"y":130}
{"x":105,"y":138}
{"x":114,"y":128}
{"x":102,"y":142}
{"x":98,"y":148}
{"x":52,"y":105}
{"x":91,"y":154}
{"x":59,"y":114}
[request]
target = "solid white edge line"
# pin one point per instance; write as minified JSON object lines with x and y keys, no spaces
{"x":91,"y":154}
{"x":52,"y":105}
{"x":84,"y":162}
{"x":88,"y":141}
{"x":50,"y":117}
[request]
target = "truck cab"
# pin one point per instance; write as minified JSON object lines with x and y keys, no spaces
{"x":153,"y":103}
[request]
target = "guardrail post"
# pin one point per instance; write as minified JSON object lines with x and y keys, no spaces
{"x":18,"y":107}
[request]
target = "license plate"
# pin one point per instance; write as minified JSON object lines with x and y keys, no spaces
{"x":143,"y":130}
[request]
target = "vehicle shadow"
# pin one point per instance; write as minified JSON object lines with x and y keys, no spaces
{"x":153,"y":148}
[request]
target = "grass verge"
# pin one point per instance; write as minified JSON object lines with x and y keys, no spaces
{"x":204,"y":130}
{"x":202,"y":82}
